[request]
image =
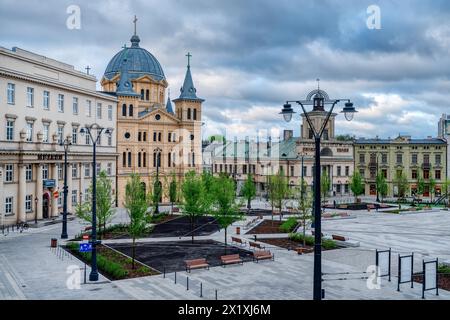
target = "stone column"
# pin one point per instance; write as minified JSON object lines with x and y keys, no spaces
{"x":54,"y":201}
{"x":69,"y":187}
{"x":39,"y":191}
{"x":21,"y":213}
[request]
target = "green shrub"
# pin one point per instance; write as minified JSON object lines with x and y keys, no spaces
{"x":443,"y":269}
{"x":328,"y":244}
{"x":289,"y":225}
{"x":309,"y":240}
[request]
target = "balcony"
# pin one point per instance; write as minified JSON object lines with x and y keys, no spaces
{"x":426,"y":166}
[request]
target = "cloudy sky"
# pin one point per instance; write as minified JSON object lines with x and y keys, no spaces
{"x":251,"y":55}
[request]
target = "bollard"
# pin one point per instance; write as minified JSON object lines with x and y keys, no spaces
{"x":216,"y":294}
{"x":85,"y":273}
{"x":201,"y":289}
{"x":187,"y":283}
{"x":164,"y":272}
{"x":175,"y":277}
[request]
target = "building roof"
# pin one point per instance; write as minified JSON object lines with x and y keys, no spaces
{"x":135,"y":61}
{"x":169,"y":108}
{"x":188,"y":90}
{"x":398,"y":140}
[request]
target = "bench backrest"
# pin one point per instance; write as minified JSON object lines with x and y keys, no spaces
{"x":236,"y":239}
{"x":262,"y":253}
{"x":195,"y":261}
{"x":339,"y":238}
{"x":254,"y":244}
{"x":230,"y":257}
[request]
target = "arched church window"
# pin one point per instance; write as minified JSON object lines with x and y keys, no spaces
{"x":130,"y":111}
{"x":142,"y":94}
{"x":147,"y":95}
{"x":195,"y":114}
{"x":189,"y":113}
{"x":124,"y":110}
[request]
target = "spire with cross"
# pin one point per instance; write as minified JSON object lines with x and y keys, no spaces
{"x":87,"y":69}
{"x":318,"y":83}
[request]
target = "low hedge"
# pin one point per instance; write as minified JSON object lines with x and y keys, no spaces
{"x":309,"y":240}
{"x":289,"y":225}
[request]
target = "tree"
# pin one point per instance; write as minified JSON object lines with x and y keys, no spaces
{"x":136,"y":206}
{"x":420,"y":185}
{"x":271,"y":191}
{"x":356,"y":185}
{"x":173,"y":190}
{"x":401,"y":182}
{"x":432,"y":186}
{"x":305,"y":201}
{"x":195,"y":203}
{"x":157,"y":192}
{"x":224,"y":208}
{"x":105,"y":203}
{"x":280,"y":190}
{"x":249,"y":191}
{"x":381,"y":185}
{"x":324,"y":186}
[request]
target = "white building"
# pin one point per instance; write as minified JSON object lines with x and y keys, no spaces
{"x":43,"y":101}
{"x":444,"y":133}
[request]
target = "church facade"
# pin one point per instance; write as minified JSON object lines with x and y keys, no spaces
{"x":156,"y":136}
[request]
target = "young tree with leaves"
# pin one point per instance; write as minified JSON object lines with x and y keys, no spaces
{"x":357,"y":185}
{"x":324,"y":186}
{"x":156,"y":192}
{"x":249,"y":191}
{"x":136,"y":206}
{"x":401,"y":182}
{"x":381,"y":185}
{"x":224,"y":206}
{"x":420,"y":185}
{"x":280,"y":190}
{"x":195,"y":203}
{"x":431,"y":186}
{"x":173,"y":188}
{"x":305,"y":202}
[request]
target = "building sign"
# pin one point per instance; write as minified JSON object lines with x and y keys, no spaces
{"x":342,"y":150}
{"x":46,"y":157}
{"x":49,"y":183}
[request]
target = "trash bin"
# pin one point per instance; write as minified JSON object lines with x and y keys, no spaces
{"x":238,"y":230}
{"x":54,"y":243}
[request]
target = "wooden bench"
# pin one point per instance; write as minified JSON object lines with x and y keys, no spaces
{"x":301,"y":250}
{"x":196,"y":264}
{"x":263,"y":255}
{"x":343,"y":206}
{"x":238,"y":240}
{"x":231,"y":259}
{"x":255,"y":245}
{"x":338,"y":238}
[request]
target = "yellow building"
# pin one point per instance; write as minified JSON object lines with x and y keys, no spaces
{"x":150,"y":131}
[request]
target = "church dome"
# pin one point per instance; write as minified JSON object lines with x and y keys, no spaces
{"x":135,"y":61}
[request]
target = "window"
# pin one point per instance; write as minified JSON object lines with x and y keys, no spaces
{"x":292,"y":171}
{"x":159,"y":136}
{"x":75,"y":105}
{"x":437,"y":174}
{"x":154,"y":136}
{"x":305,"y":171}
{"x":45,"y":172}
{"x":46,"y":133}
{"x":347,"y":170}
{"x":88,"y":139}
{"x":29,"y":131}
{"x":88,"y":108}
{"x":30,"y":97}
{"x":189,"y":113}
{"x":144,"y":136}
{"x":87,"y":170}
{"x":60,"y":103}
{"x":9,"y":130}
{"x":426,"y":158}
{"x":124,"y":159}
{"x":170,"y":137}
{"x":142,"y":94}
{"x":130,"y":110}
{"x":414,"y":158}
{"x":339,"y":171}
{"x":74,"y":171}
{"x":74,"y":135}
{"x":437,"y":159}
{"x":139,"y":136}
{"x":99,"y":168}
{"x":99,"y":110}
{"x":124,"y":110}
{"x":28,"y":202}
{"x":362,"y":157}
{"x":110,"y":113}
{"x":426,"y":174}
{"x":11,"y":93}
{"x":414,"y":174}
{"x":28,"y":173}
{"x":60,"y":171}
{"x":74,"y":196}
{"x":86,"y":194}
{"x":9,"y":173}
{"x":195,"y":114}
{"x":46,"y":100}
{"x":144,"y":159}
{"x":384,"y":172}
{"x":384,"y":158}
{"x":129,"y":159}
{"x":60,"y":134}
{"x":399,"y":158}
{"x":362,"y":172}
{"x":244,"y":169}
{"x":109,"y":167}
{"x":139,"y":159}
{"x":147,"y":95}
{"x":9,"y":205}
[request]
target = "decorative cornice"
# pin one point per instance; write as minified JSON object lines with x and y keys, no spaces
{"x":11,"y":116}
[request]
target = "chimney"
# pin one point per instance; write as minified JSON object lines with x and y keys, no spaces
{"x":288,"y":134}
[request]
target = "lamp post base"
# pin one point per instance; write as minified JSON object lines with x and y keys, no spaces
{"x":93,"y":276}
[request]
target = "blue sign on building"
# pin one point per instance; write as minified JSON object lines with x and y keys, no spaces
{"x":85,"y":247}
{"x":49,"y":183}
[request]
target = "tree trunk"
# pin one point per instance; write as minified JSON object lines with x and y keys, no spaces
{"x":304,"y":232}
{"x":133,"y":253}
{"x":248,"y":205}
{"x":225,"y":240}
{"x":192,"y":229}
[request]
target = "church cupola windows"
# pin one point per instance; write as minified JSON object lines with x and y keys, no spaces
{"x":130,"y":111}
{"x":147,"y":95}
{"x":124,"y":110}
{"x":189,"y":113}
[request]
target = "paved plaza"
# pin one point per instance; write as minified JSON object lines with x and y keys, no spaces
{"x":30,"y":270}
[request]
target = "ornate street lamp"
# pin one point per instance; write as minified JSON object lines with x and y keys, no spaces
{"x":66,"y":143}
{"x":318,"y":99}
{"x":94,"y":132}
